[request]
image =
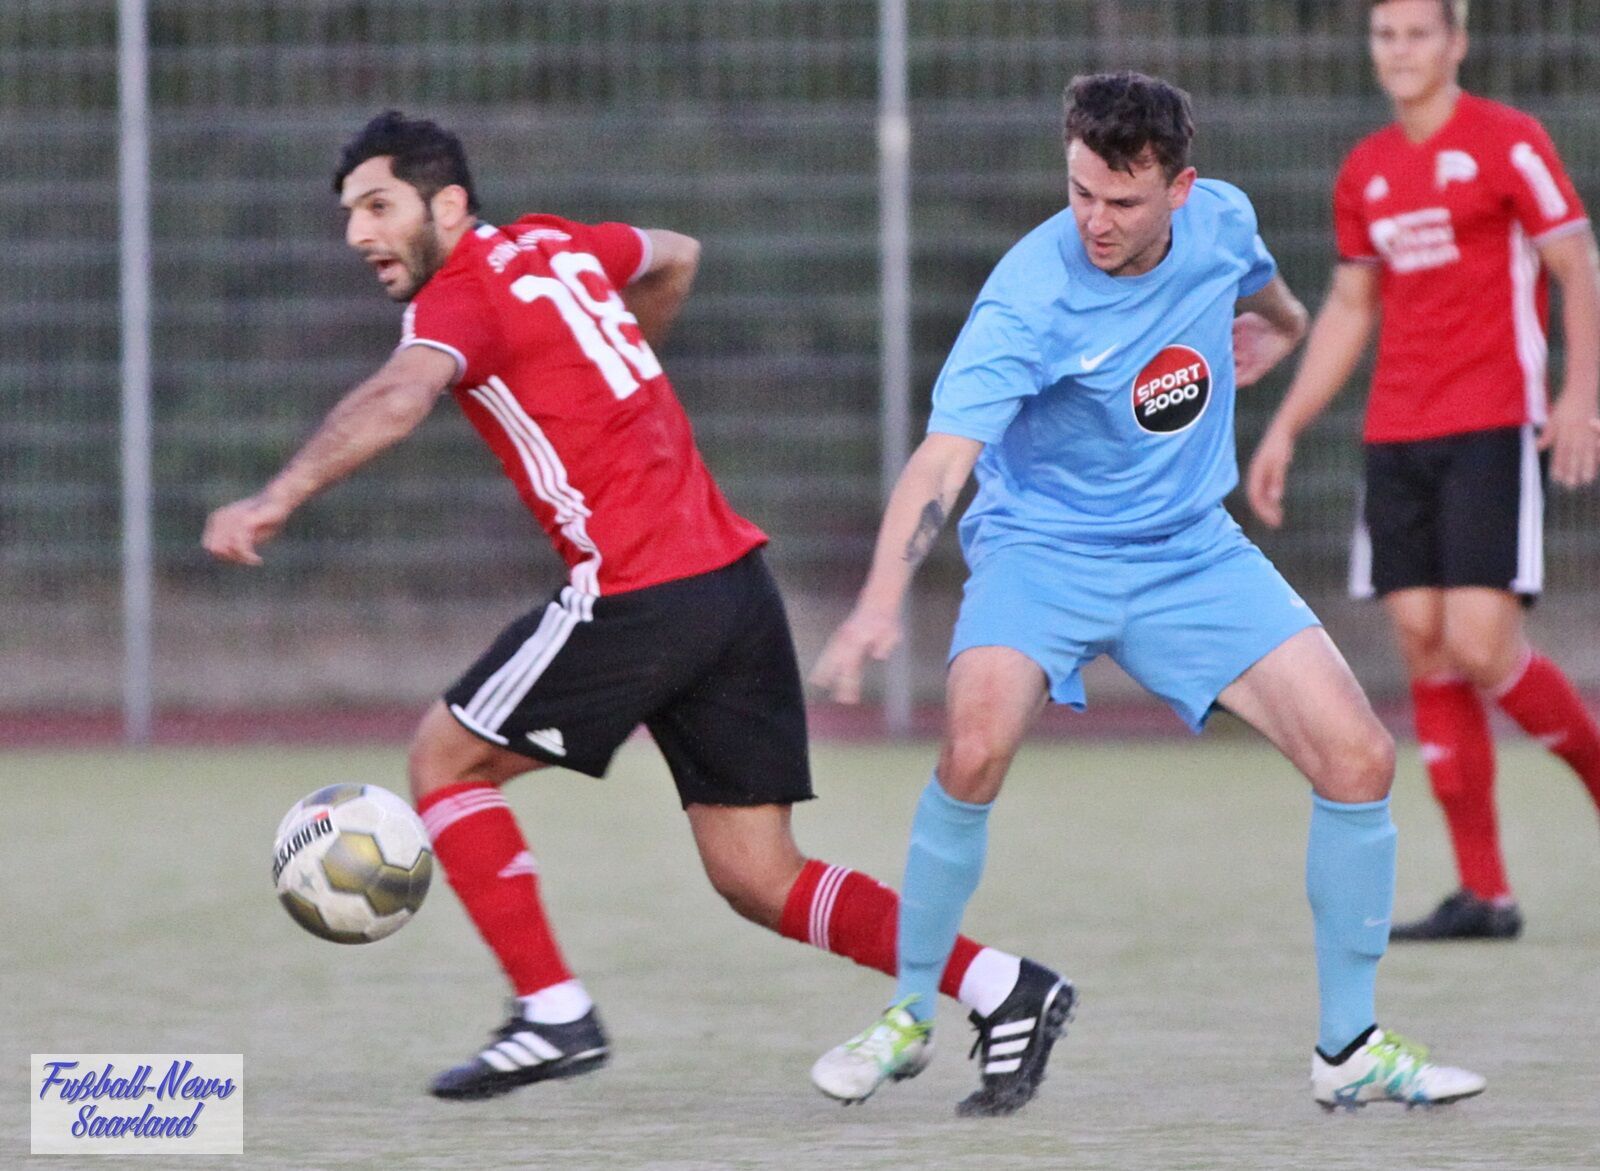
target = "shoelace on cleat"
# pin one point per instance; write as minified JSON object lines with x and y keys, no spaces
{"x":887,"y":1039}
{"x":1392,"y":1055}
{"x":982,"y":1028}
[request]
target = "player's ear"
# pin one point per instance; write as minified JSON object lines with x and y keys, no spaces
{"x":1178,"y":190}
{"x":449,"y":206}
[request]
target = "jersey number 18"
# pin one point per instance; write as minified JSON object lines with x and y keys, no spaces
{"x":596,"y":325}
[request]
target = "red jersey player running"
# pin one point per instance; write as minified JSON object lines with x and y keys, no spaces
{"x":670,"y":618}
{"x":1448,"y":222}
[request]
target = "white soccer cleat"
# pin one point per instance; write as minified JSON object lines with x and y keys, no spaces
{"x":896,"y":1046}
{"x":1388,"y":1068}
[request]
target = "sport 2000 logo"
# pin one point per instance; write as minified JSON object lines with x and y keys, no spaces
{"x":124,"y":1103}
{"x":1171,"y":391}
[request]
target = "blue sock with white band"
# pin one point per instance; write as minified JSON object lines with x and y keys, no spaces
{"x":1350,"y":883}
{"x":949,"y":839}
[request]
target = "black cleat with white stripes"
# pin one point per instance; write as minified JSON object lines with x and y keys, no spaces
{"x":1013,"y":1042}
{"x":523,"y":1051}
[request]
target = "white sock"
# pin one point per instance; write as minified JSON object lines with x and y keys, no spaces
{"x":558,"y":1004}
{"x":989,"y":979}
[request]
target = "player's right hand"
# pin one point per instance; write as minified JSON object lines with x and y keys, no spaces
{"x":866,"y":633}
{"x":1269,"y":472}
{"x":235,"y":530}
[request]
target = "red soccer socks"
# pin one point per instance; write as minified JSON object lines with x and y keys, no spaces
{"x":1453,"y":733}
{"x":487,"y":861}
{"x":1545,"y":705}
{"x":851,"y":914}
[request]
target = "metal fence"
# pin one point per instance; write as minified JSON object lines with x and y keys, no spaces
{"x":751,"y":124}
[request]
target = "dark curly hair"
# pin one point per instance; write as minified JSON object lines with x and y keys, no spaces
{"x":1120,"y":116}
{"x":425,"y":155}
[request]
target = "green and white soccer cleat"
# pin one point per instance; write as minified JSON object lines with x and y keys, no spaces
{"x":1388,"y":1068}
{"x":895,"y":1047}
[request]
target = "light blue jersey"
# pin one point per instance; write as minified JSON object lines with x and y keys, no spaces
{"x":1106,"y":403}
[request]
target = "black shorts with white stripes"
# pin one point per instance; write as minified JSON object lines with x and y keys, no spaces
{"x":706,"y":663}
{"x":1460,"y":510}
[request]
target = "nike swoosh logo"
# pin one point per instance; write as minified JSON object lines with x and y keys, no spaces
{"x":1375,"y":923}
{"x":1092,"y":364}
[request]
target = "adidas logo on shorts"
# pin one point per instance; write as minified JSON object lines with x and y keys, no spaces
{"x":550,"y":740}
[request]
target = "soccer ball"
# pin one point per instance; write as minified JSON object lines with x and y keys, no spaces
{"x":351,"y":863}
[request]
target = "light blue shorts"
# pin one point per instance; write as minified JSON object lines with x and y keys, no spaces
{"x":1185,"y":614}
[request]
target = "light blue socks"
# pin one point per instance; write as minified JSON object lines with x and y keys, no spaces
{"x":948,"y":841}
{"x":1350,"y":882}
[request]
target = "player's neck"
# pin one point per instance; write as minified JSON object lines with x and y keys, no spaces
{"x":1425,"y":117}
{"x":451,"y":238}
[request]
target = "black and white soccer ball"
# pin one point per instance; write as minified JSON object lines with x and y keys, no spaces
{"x":352,"y":863}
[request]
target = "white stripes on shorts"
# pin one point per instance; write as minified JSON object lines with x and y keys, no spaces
{"x":492,"y":704}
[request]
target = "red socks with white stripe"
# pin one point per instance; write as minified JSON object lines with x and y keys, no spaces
{"x":1453,"y":733}
{"x":1545,"y":705}
{"x":850,"y":914}
{"x":487,"y":861}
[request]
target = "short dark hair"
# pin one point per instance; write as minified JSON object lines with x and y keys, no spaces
{"x":425,"y":155}
{"x":1120,"y":116}
{"x":1455,"y":11}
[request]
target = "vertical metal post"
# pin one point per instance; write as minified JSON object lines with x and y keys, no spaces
{"x":133,"y":116}
{"x":894,"y":278}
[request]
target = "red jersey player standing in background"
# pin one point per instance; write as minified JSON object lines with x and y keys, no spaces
{"x":670,"y":618}
{"x":1448,"y":222}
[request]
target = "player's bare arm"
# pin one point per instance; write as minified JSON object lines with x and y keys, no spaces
{"x":1270,"y":324}
{"x":918,"y":507}
{"x":1572,"y":436}
{"x":1339,"y":336}
{"x":374,"y":416}
{"x":658,"y":293}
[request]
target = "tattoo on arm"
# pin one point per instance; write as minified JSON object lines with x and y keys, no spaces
{"x":927,"y":533}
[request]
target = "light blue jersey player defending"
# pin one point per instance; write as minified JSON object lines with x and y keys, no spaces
{"x":1092,"y":388}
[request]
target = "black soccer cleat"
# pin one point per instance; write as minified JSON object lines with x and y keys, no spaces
{"x":1015,"y":1041}
{"x":1462,"y":915}
{"x":521,"y":1052}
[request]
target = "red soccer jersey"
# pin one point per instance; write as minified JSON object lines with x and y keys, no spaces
{"x":556,"y":377}
{"x":1454,"y":221}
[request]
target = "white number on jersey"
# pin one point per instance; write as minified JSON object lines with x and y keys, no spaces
{"x":616,"y":357}
{"x":612,"y":313}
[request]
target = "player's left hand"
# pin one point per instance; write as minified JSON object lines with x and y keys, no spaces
{"x":865,"y":634}
{"x":234,"y":531}
{"x":1572,"y":436}
{"x":1258,"y":346}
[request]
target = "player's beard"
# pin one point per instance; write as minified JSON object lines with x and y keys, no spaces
{"x":423,"y":255}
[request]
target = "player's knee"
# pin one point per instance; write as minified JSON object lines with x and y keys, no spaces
{"x":1422,"y":643}
{"x":423,"y":769}
{"x":972,"y":764}
{"x":1483,"y":662}
{"x":1363,"y":768}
